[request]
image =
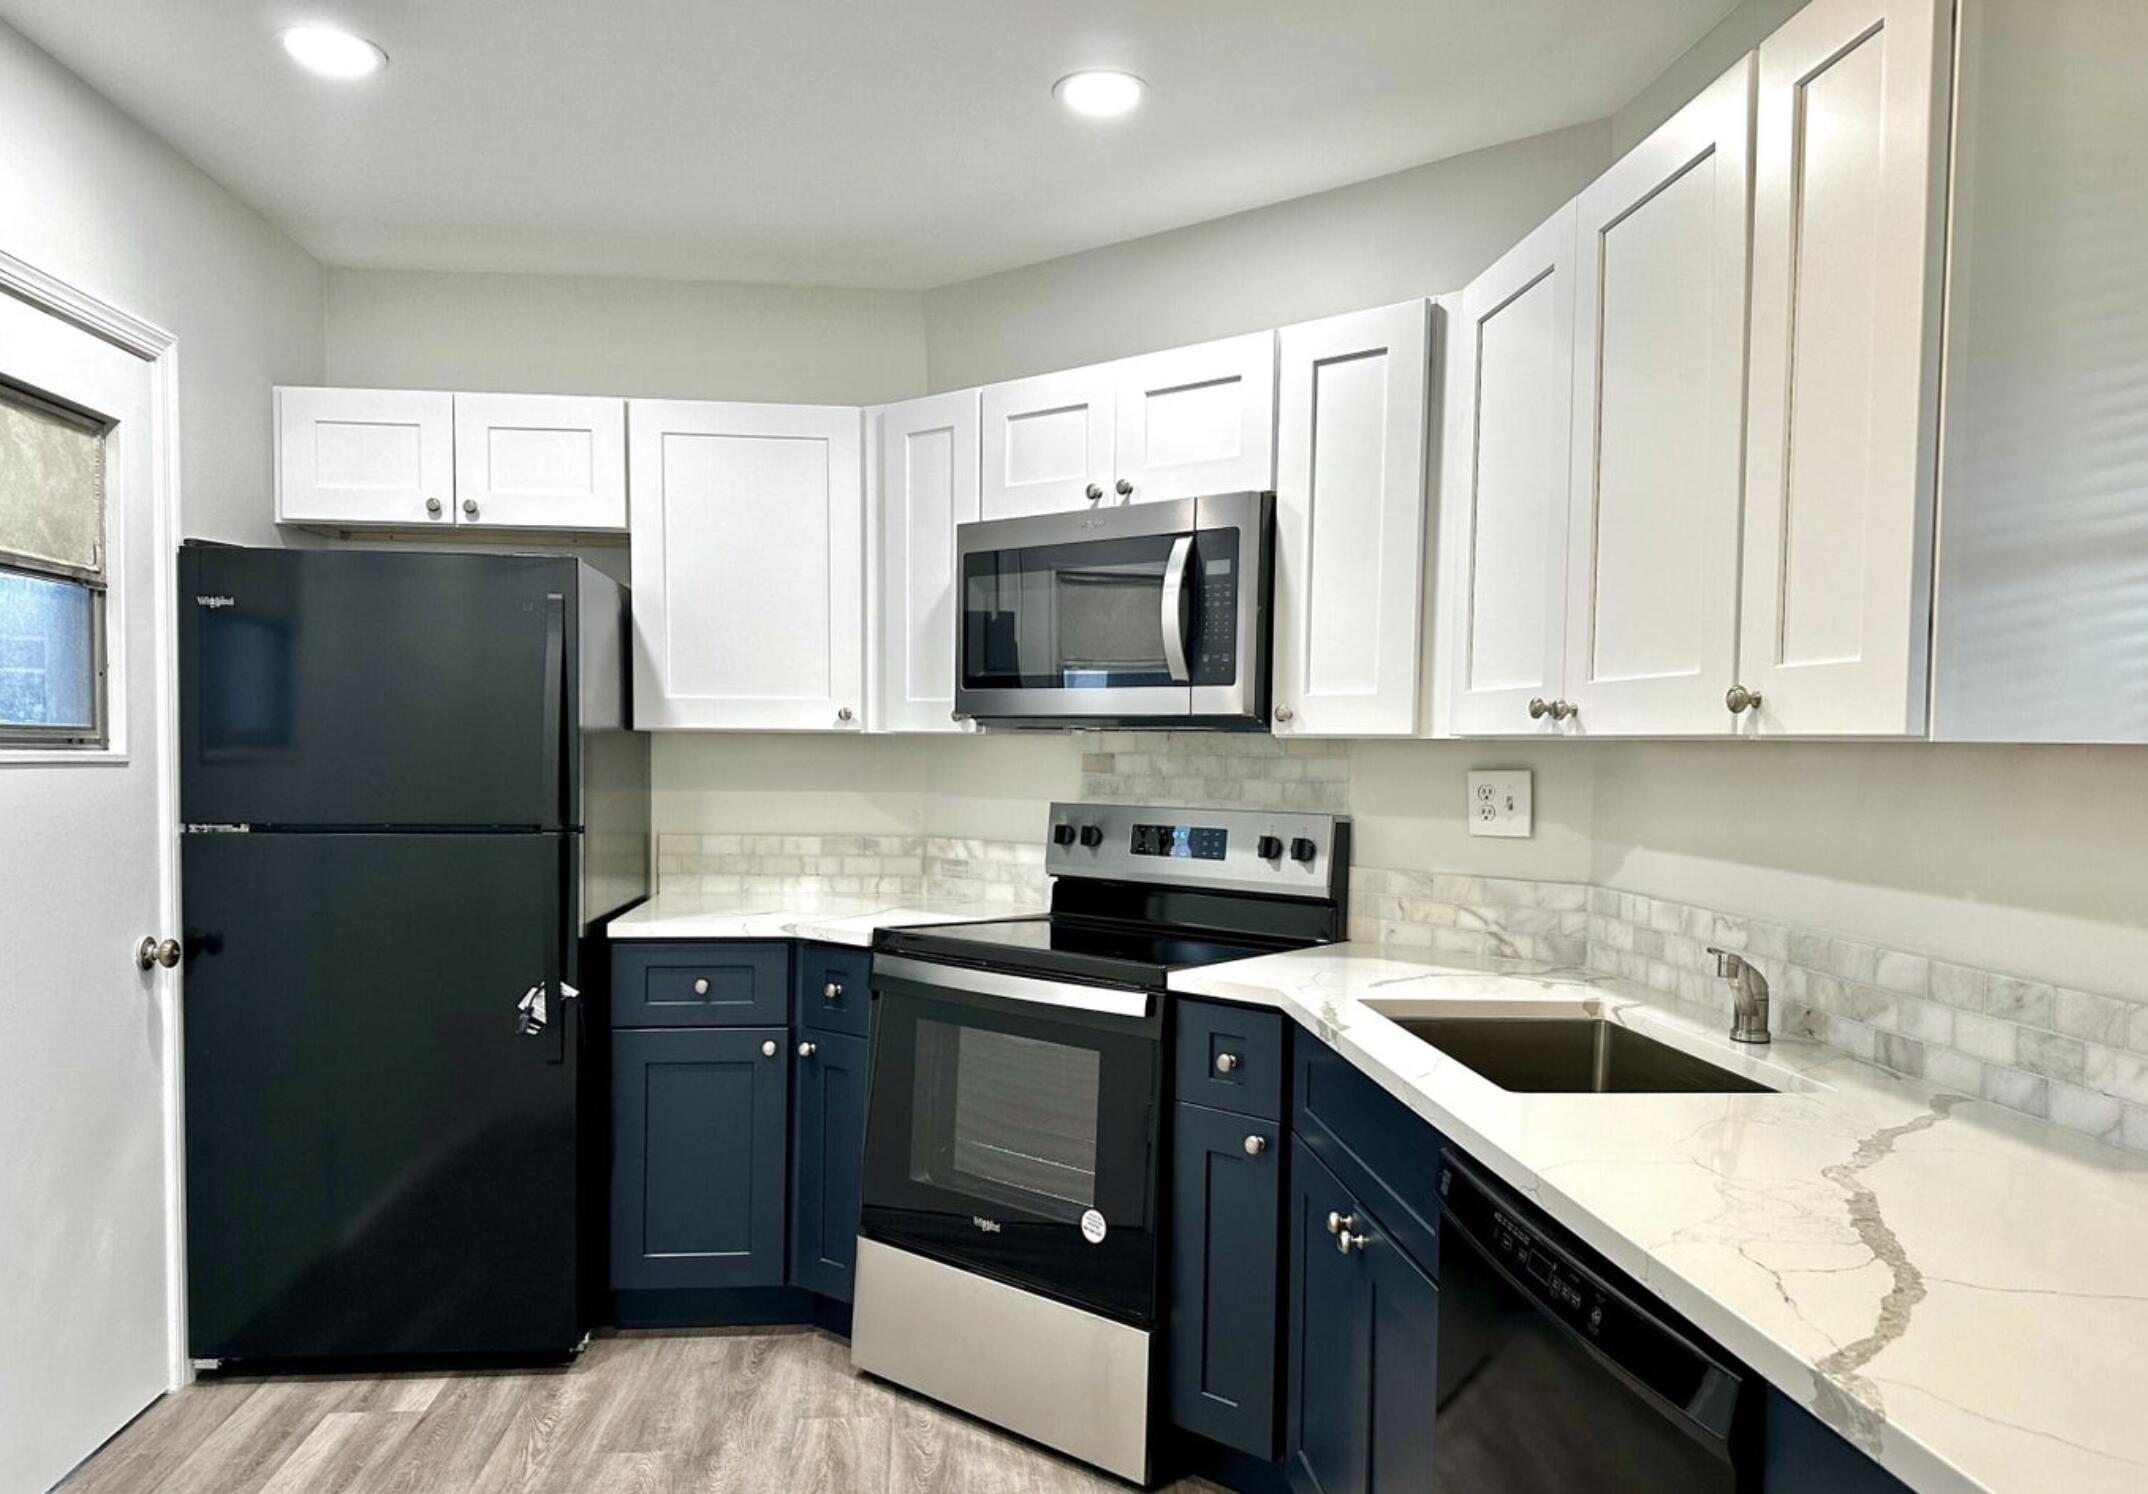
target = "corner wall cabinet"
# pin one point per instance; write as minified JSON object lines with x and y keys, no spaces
{"x":748,"y":566}
{"x":928,"y":468}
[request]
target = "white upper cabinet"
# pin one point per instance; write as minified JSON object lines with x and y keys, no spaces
{"x":1350,"y":522}
{"x":928,"y":484}
{"x":1511,"y":359}
{"x":1659,"y":413}
{"x":378,"y":457}
{"x":1848,"y":234}
{"x":540,"y":461}
{"x":748,"y":565}
{"x":1048,"y":442}
{"x":1196,"y":420}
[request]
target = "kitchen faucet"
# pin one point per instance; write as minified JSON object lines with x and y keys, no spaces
{"x":1749,"y":1018}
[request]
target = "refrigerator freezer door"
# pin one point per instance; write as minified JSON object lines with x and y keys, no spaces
{"x":359,"y":688}
{"x":381,"y":1159}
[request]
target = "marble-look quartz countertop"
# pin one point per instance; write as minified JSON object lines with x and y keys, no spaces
{"x":824,"y":917}
{"x":1960,"y":1290}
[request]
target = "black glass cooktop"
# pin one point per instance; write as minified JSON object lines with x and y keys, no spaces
{"x":1135,"y":954}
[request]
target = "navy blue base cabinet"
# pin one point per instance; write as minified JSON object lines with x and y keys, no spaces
{"x":828,"y":1147}
{"x":1226,"y":1258}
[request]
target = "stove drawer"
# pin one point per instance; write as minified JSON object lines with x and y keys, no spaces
{"x":1230,"y":1058}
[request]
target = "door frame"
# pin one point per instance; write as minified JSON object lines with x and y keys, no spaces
{"x":159,"y":349}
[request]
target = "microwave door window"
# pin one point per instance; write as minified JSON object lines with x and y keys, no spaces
{"x":1085,"y":616}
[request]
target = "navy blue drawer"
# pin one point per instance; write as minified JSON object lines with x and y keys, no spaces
{"x":835,"y":988}
{"x":1375,"y":1145}
{"x":718,"y":984}
{"x":1231,"y":1058}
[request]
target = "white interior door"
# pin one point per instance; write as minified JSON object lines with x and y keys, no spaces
{"x":928,"y":485}
{"x":1196,"y":420}
{"x":1350,"y":522}
{"x":1659,"y":415}
{"x":1843,"y":418}
{"x":748,"y":566}
{"x":1514,"y":362}
{"x":376,"y":457}
{"x":86,"y":1195}
{"x":1047,"y":443}
{"x":540,"y":461}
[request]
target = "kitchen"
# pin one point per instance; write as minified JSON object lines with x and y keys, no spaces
{"x":1123,"y":753}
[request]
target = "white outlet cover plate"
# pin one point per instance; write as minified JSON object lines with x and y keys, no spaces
{"x":1499,"y":803}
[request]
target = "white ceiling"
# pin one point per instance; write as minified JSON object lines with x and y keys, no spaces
{"x":831,"y":142}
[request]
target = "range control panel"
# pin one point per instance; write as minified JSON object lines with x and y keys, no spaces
{"x":1303,"y":855}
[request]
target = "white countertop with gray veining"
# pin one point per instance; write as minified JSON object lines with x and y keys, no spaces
{"x":825,"y":917}
{"x":1959,"y":1289}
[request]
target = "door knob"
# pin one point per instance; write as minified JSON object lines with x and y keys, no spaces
{"x":1740,"y":700}
{"x":807,"y":1050}
{"x":1092,"y":492}
{"x":432,"y":506}
{"x":768,"y":1049}
{"x":155,"y":951}
{"x":1255,"y":1145}
{"x":469,"y":508}
{"x":1125,"y":488}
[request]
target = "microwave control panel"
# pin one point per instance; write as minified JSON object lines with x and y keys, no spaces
{"x":1215,"y":652}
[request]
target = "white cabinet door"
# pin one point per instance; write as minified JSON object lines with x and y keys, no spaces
{"x":1513,"y":360}
{"x":748,"y":565}
{"x":1047,"y":443}
{"x":1196,"y":420}
{"x":540,"y":461}
{"x":928,"y":485}
{"x":1659,"y":411}
{"x":1842,"y":428}
{"x":1350,"y":522}
{"x":365,"y":457}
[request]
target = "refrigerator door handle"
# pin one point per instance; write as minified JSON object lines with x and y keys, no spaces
{"x":555,"y":706}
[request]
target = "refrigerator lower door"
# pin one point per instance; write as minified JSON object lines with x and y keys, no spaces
{"x":381,"y":1156}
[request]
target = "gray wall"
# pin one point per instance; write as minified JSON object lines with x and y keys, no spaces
{"x":89,"y":196}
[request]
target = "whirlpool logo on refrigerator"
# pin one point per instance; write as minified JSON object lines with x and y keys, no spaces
{"x":212,"y":603}
{"x":989,"y":1226}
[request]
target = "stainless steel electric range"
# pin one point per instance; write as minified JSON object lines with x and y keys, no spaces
{"x":1010,"y":1248}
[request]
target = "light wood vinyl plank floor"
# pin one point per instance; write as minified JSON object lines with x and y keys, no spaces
{"x":718,"y":1411}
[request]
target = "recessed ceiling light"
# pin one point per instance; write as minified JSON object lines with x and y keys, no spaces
{"x":1100,"y":93}
{"x":333,"y":53}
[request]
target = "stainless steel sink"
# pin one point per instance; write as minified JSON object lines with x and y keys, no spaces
{"x":1573,"y":1055}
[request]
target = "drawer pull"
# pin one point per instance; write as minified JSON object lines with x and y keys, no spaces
{"x":701,"y":986}
{"x":807,"y":1050}
{"x":1227,"y":1063}
{"x":768,"y":1049}
{"x":1340,"y":1223}
{"x":833,"y":991}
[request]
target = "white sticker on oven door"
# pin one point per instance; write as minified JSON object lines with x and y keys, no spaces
{"x":1093,"y":1228}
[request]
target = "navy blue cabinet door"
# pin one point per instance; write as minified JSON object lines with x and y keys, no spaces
{"x":1226,"y":1236}
{"x":1404,"y":1370}
{"x":699,"y":1124}
{"x":830,"y":1153}
{"x":1330,"y":1366}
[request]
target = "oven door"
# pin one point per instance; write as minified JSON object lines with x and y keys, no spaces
{"x":1011,"y":1131}
{"x":1152,"y":610}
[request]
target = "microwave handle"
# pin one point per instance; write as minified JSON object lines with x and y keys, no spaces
{"x":1174,"y":609}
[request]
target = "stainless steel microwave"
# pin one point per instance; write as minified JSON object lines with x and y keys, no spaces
{"x":1150,"y":614}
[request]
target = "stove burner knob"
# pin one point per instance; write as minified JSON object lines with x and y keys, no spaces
{"x":1304,"y":850}
{"x":1062,"y":835}
{"x":1270,"y":847}
{"x":1091,"y":836}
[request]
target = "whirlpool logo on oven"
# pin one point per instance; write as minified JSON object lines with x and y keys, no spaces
{"x":989,"y":1226}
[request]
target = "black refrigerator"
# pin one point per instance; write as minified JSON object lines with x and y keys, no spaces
{"x":409,"y":798}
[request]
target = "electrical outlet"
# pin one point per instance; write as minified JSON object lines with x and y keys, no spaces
{"x":1499,"y":803}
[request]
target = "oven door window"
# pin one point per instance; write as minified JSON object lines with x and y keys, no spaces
{"x":1017,"y":1142}
{"x":1100,"y":614}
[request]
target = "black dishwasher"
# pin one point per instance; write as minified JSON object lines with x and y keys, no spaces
{"x":1553,"y":1375}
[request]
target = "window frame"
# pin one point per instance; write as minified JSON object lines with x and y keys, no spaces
{"x":96,"y":736}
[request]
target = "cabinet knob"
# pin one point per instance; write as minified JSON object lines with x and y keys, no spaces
{"x":1092,"y":492}
{"x":1227,"y":1063}
{"x":958,"y":717}
{"x":1562,"y":710}
{"x":1255,"y":1145}
{"x":1284,"y":713}
{"x":807,"y":1050}
{"x":1124,"y":488}
{"x":833,"y":991}
{"x":1346,"y":1242}
{"x":1557,"y":710}
{"x":1539,"y":708}
{"x":701,"y":986}
{"x":469,"y":508}
{"x":842,"y":713}
{"x":1740,"y":700}
{"x":1339,"y":1223}
{"x":432,"y":506}
{"x":768,"y":1049}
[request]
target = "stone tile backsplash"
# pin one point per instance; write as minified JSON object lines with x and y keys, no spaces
{"x":1215,"y":770}
{"x":1457,"y":914}
{"x":890,"y":866}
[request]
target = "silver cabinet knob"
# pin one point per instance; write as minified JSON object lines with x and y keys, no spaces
{"x":1227,"y":1063}
{"x":842,"y":713}
{"x":155,"y":951}
{"x":768,"y":1049}
{"x":1092,"y":492}
{"x":1740,"y":700}
{"x":833,"y":991}
{"x":1557,"y":710}
{"x":1539,"y":708}
{"x":469,"y":508}
{"x":432,"y":506}
{"x":1124,"y":488}
{"x":1562,"y":710}
{"x":807,"y":1050}
{"x":958,"y":717}
{"x":701,"y":986}
{"x":1338,"y":1223}
{"x":1284,"y":713}
{"x":1255,"y":1145}
{"x":1347,"y":1242}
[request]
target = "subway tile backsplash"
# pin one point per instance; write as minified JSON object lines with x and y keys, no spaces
{"x":895,"y":867}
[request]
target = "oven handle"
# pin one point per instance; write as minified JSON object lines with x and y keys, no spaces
{"x":1106,"y":999}
{"x":1174,"y":610}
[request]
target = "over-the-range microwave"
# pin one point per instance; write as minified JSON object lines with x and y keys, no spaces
{"x":1144,"y":615}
